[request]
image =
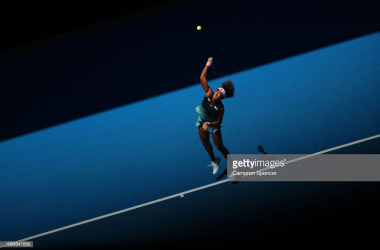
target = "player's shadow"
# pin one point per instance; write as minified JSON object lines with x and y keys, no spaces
{"x":238,"y":178}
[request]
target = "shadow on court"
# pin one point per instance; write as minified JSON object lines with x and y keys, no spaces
{"x":238,"y":178}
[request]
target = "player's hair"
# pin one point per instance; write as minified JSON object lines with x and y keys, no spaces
{"x":229,"y":87}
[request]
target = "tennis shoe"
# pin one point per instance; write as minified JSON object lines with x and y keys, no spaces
{"x":215,"y":165}
{"x":232,"y":176}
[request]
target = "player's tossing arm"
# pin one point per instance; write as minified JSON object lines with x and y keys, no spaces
{"x":204,"y":83}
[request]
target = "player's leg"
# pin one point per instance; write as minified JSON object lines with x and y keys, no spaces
{"x":217,"y":138}
{"x":205,"y":138}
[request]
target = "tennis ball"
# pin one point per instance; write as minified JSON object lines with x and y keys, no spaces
{"x":199,"y":28}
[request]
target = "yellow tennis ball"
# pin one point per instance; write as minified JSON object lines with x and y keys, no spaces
{"x":199,"y":28}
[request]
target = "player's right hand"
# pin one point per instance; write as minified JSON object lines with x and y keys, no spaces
{"x":204,"y":127}
{"x":210,"y":59}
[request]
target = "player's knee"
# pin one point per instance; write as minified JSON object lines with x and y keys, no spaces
{"x":206,"y":143}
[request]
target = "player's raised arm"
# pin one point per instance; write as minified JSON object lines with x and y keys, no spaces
{"x":203,"y":76}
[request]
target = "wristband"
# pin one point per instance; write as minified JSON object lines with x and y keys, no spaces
{"x":207,"y":123}
{"x":208,"y":64}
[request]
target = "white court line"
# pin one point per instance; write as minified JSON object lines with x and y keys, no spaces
{"x":182,"y":193}
{"x":324,"y":151}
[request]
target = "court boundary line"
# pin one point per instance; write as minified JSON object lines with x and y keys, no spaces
{"x":181,"y":194}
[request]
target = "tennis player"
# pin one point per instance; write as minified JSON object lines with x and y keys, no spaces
{"x":210,"y":118}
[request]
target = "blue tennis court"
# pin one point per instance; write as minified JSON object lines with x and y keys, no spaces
{"x":150,"y":149}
